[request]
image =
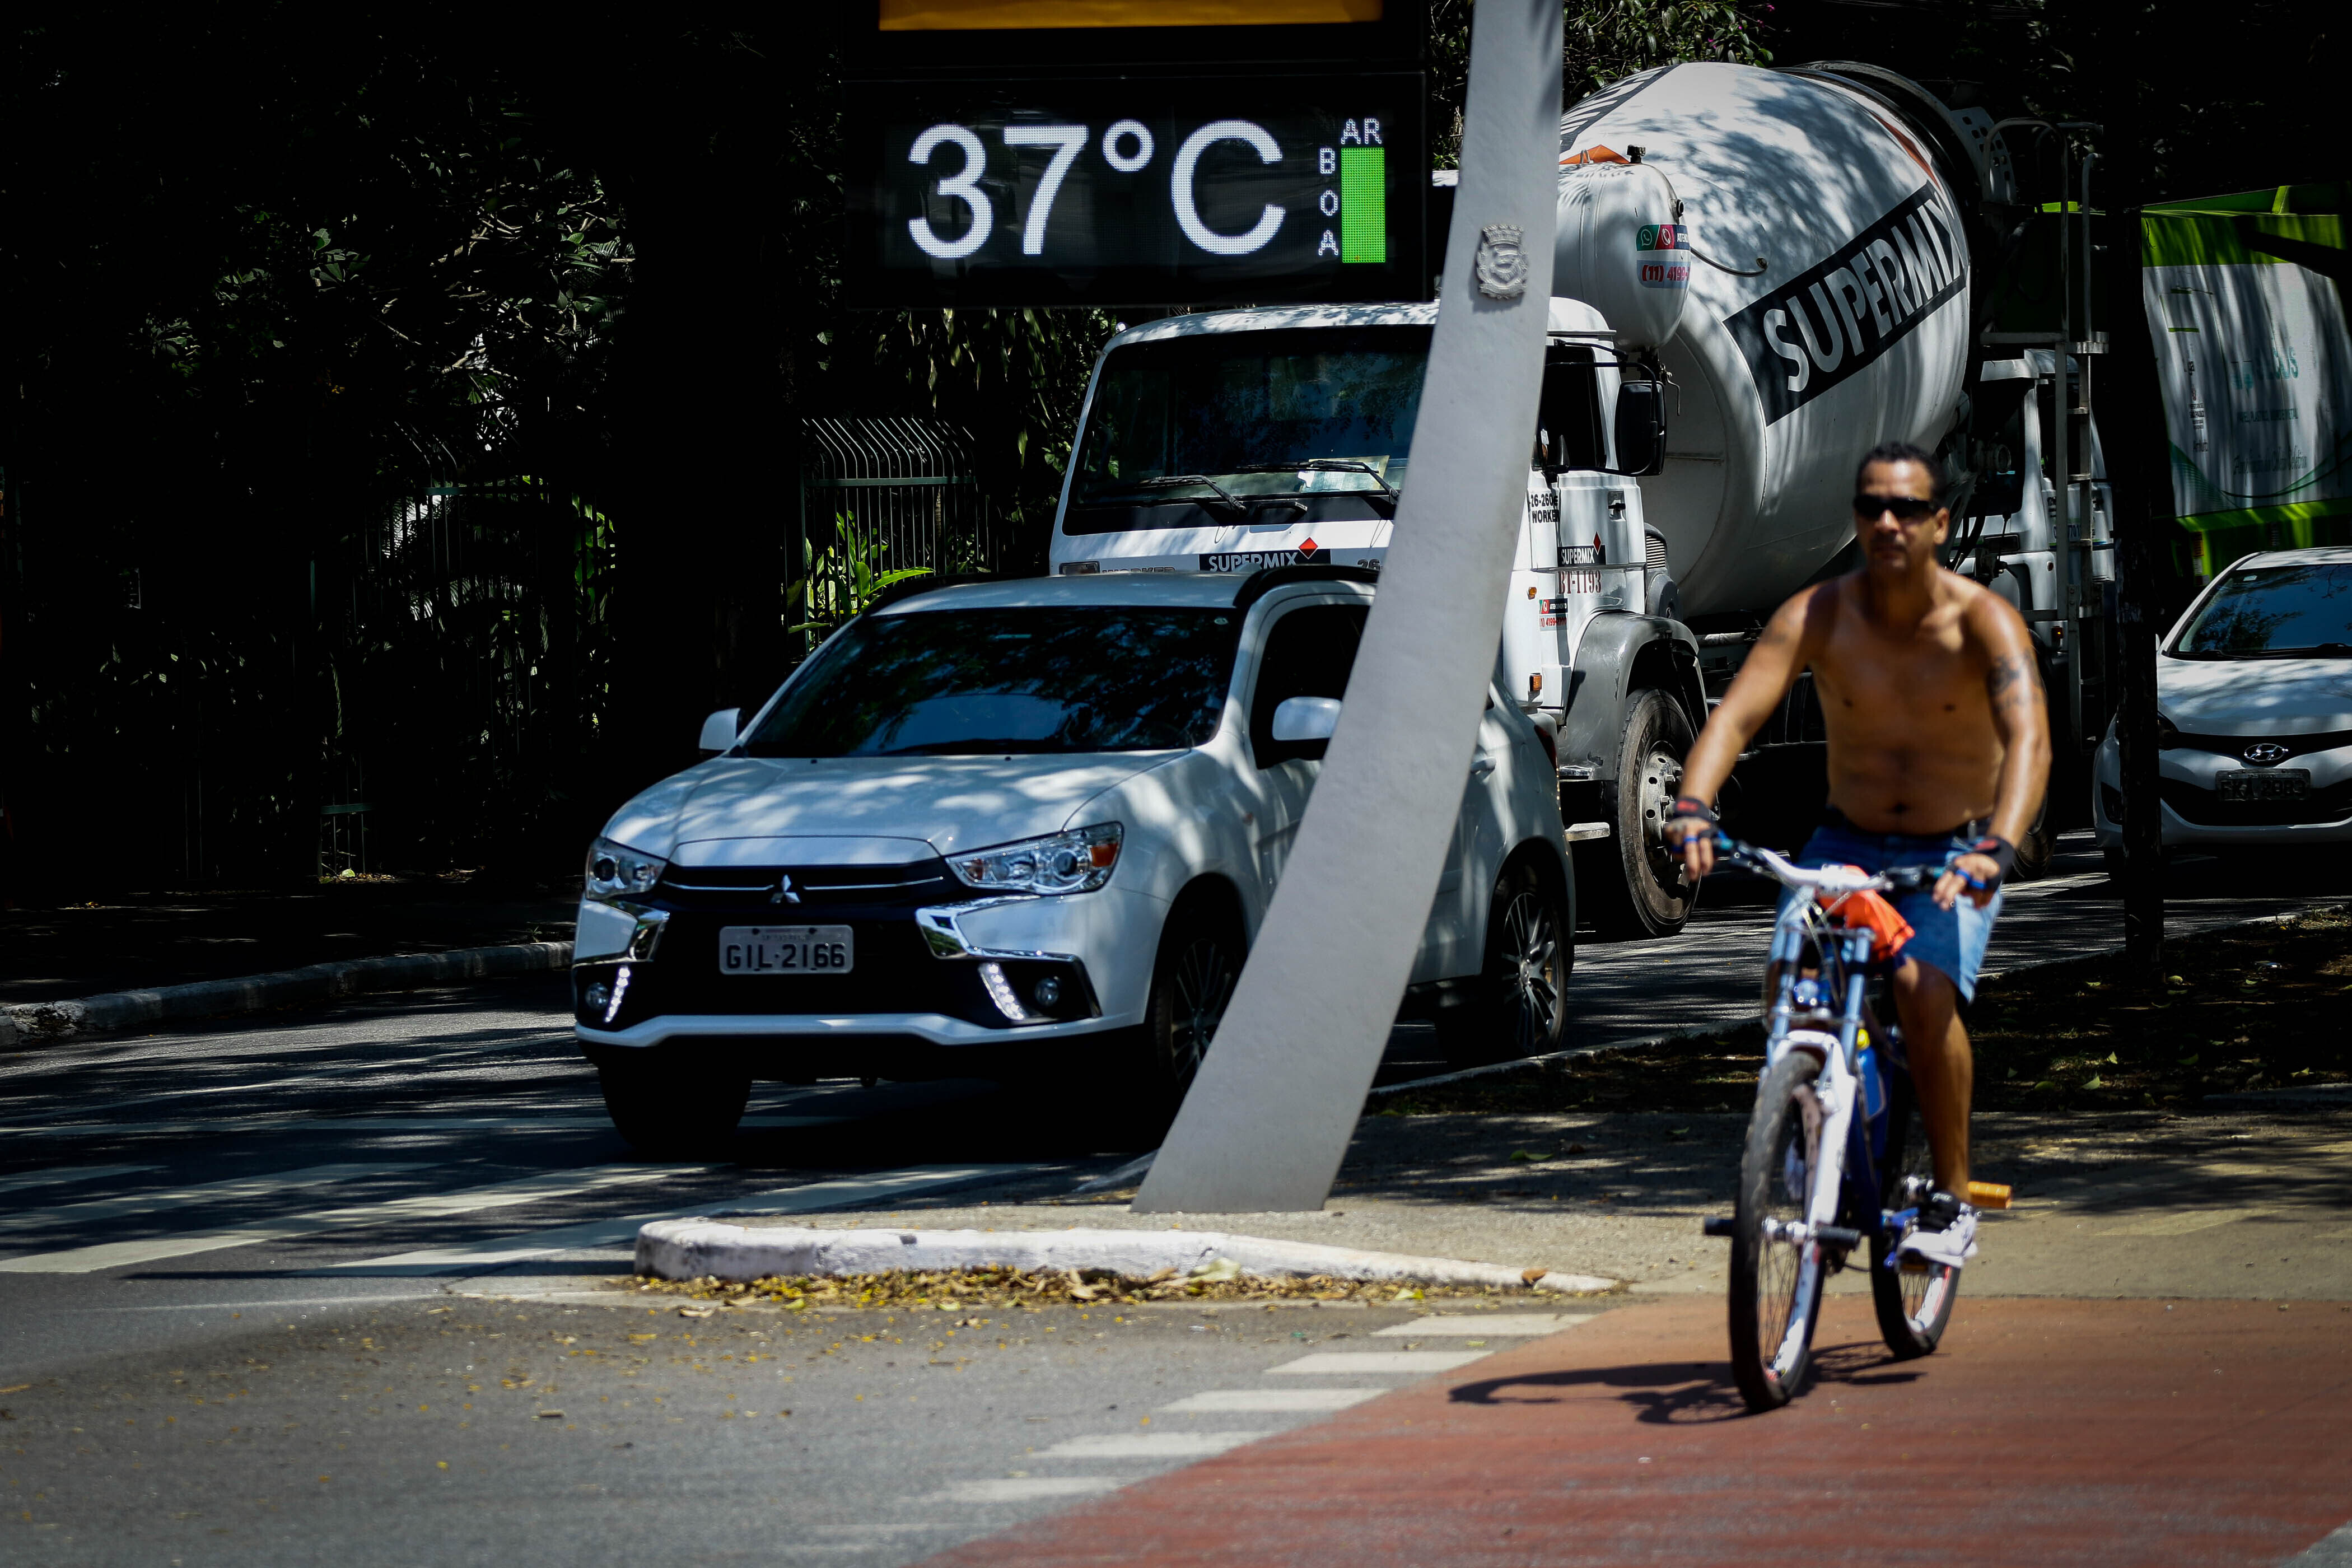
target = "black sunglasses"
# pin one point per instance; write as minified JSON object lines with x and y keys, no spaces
{"x":1907,"y":509}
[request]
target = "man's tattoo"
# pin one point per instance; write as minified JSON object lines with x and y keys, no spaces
{"x":2011,"y":679}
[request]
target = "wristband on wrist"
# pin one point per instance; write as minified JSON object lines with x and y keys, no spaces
{"x":2001,"y":852}
{"x":1689,"y":806}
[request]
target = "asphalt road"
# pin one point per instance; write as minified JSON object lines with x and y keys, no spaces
{"x":261,"y":1280}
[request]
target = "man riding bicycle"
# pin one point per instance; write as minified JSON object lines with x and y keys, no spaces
{"x":1938,"y":749}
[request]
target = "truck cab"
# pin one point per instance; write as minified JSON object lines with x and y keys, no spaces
{"x":1239,"y":440}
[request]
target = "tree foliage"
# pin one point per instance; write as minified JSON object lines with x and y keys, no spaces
{"x":1606,"y":39}
{"x":1601,"y":41}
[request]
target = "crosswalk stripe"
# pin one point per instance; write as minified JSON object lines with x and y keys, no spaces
{"x":1027,"y":1488}
{"x":1240,"y":1401}
{"x":621,"y":1230}
{"x":366,"y":1124}
{"x":1503,"y":1325}
{"x":235,"y":1190}
{"x":1150,"y":1445}
{"x":1361,"y":1362}
{"x":59,"y":1175}
{"x":316,"y":1077}
{"x":424,"y":1206}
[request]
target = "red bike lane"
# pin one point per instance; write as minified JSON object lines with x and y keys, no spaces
{"x":2045,"y":1431}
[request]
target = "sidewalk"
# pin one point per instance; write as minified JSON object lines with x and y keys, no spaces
{"x":144,"y":941}
{"x":2229,"y":1203}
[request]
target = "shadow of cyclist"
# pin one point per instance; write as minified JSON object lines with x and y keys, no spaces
{"x":1682,"y":1394}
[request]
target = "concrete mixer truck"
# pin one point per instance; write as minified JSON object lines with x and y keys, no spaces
{"x":1759,"y":274}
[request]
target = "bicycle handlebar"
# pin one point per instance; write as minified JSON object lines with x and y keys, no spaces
{"x":1827,"y":878}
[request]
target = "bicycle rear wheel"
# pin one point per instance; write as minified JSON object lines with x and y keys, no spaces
{"x":1776,"y":1285}
{"x":1914,"y":1297}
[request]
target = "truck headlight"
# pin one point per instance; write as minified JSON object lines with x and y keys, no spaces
{"x":617,"y":871}
{"x":1078,"y":861}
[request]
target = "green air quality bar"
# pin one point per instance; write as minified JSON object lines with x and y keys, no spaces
{"x":1363,"y":205}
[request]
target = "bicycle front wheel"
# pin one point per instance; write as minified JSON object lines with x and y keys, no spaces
{"x":1913,"y":1297}
{"x":1776,"y":1283}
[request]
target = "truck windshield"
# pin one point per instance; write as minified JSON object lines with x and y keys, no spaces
{"x":2274,"y":612}
{"x":1000,"y":681}
{"x":1244,"y":409}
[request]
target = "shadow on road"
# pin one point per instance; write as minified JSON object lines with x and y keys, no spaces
{"x":1685,"y":1394}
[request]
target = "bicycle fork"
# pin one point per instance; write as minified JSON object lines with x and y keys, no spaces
{"x":1837,"y":1092}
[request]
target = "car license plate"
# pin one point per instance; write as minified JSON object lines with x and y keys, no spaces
{"x":2264,"y":784}
{"x":786,"y":949}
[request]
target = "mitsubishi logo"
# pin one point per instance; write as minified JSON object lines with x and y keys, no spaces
{"x":2265,"y":753}
{"x":784,"y":893}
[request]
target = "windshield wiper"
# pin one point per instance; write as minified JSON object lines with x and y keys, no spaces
{"x":1324,"y":465}
{"x":2323,"y":650}
{"x":974,"y":746}
{"x":1169,"y":481}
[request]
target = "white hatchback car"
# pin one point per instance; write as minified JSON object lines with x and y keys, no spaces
{"x":1003,"y":829}
{"x":2254,"y":710}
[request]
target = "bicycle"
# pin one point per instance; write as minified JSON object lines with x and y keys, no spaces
{"x":1815,"y":1177}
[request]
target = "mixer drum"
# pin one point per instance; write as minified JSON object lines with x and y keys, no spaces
{"x":1854,"y":332}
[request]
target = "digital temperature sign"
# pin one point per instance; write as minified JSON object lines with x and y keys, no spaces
{"x":1139,"y":190}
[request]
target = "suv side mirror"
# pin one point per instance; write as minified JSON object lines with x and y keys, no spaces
{"x":1303,"y":724}
{"x":719,"y":730}
{"x":1641,"y":427}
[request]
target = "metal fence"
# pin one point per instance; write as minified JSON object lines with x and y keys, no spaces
{"x":885,"y":496}
{"x":467,"y":638}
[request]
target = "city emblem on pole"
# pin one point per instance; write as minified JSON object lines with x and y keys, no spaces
{"x":1502,"y":262}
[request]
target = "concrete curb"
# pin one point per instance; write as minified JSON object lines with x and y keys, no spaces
{"x":696,"y":1248}
{"x":29,"y":1021}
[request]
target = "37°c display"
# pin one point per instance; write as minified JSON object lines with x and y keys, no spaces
{"x":1261,"y":189}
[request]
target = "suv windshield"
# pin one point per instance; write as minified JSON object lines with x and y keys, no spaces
{"x":2274,"y":612}
{"x":1000,"y":681}
{"x":1244,"y":410}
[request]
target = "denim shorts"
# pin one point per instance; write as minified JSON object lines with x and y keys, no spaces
{"x":1949,"y":940}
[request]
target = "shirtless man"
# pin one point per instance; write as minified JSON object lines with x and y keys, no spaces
{"x":1938,"y":742}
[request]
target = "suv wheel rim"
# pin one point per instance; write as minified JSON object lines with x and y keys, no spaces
{"x":1202,"y":984}
{"x":1531,"y":946}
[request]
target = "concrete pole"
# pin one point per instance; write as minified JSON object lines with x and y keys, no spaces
{"x":1277,"y":1100}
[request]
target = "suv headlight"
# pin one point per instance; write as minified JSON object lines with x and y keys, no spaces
{"x":1078,"y":861}
{"x":617,"y":871}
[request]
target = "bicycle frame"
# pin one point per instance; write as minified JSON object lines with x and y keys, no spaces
{"x":1847,"y":1191}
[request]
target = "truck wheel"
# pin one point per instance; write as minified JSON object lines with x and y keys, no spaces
{"x":2036,"y":845}
{"x":672,"y":1109}
{"x":1516,"y":1006}
{"x":1200,"y":954}
{"x":1637,"y":888}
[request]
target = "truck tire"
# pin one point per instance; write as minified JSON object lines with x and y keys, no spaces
{"x":670,"y":1108}
{"x":1518,"y":1005}
{"x":2036,"y":845}
{"x":1637,"y":888}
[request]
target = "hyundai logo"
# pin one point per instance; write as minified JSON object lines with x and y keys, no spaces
{"x":2265,"y":753}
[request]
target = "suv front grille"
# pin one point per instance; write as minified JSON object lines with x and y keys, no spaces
{"x":758,"y":887}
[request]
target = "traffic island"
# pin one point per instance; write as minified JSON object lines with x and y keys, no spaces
{"x":1126,"y":1260}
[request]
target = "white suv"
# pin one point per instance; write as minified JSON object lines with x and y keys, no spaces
{"x":997,"y":828}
